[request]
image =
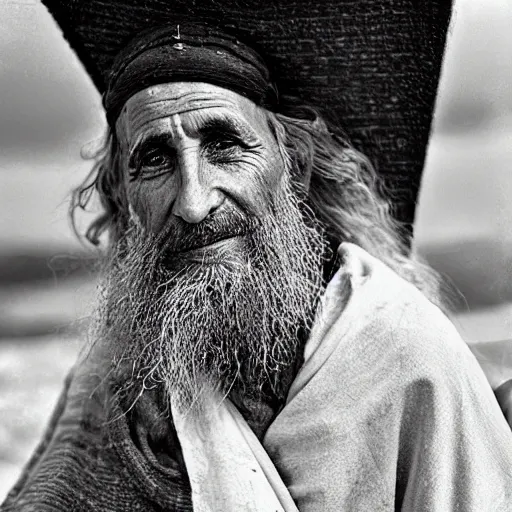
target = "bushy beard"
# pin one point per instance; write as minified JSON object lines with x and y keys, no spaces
{"x":238,"y":322}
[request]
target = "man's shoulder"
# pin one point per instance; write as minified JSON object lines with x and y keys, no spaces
{"x":389,"y":318}
{"x":377,"y":337}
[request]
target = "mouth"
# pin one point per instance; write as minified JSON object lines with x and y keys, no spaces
{"x":209,"y":245}
{"x":215,"y":240}
{"x":215,"y":252}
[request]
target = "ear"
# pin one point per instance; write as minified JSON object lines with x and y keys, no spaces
{"x":295,"y":150}
{"x":111,"y":188}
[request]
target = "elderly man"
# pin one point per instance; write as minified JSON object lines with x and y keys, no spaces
{"x":242,"y":358}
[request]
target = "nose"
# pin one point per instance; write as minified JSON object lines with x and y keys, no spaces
{"x":196,"y":197}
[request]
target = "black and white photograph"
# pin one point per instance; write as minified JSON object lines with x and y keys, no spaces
{"x":255,"y":256}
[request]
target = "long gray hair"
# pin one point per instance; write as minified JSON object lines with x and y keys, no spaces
{"x":344,"y":192}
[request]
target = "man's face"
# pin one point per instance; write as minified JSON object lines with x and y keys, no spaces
{"x":220,"y":270}
{"x":194,"y":151}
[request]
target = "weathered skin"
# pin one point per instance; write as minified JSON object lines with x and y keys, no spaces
{"x":215,"y":151}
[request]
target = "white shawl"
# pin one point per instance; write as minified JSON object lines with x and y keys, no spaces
{"x":390,"y":411}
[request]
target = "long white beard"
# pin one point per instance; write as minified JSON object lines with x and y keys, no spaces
{"x":235,"y":323}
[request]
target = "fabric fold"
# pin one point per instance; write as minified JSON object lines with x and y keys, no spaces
{"x":228,"y":468}
{"x":390,"y":411}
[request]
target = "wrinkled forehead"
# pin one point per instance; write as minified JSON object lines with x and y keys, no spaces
{"x":196,"y":103}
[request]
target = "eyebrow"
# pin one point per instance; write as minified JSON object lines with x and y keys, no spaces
{"x":229,"y":125}
{"x":218,"y":124}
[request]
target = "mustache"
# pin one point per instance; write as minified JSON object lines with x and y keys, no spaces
{"x":182,"y":237}
{"x":175,"y":324}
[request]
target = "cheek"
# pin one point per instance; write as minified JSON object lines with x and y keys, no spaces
{"x":270,"y":175}
{"x":151,"y":200}
{"x":274,"y":171}
{"x":253,"y":182}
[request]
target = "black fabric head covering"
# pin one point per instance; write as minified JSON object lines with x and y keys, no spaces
{"x":187,"y":52}
{"x":371,"y":66}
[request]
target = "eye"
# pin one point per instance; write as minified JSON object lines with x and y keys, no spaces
{"x":224,"y":144}
{"x":222,"y":148}
{"x":153,"y":162}
{"x":155,"y":158}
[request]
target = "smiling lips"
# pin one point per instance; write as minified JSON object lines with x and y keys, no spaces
{"x":183,"y":238}
{"x":209,"y":244}
{"x":214,"y":252}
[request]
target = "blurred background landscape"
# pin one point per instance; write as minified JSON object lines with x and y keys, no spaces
{"x":50,"y":112}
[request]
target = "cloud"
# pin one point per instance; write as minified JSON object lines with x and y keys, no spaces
{"x":47,"y":98}
{"x":476,"y":84}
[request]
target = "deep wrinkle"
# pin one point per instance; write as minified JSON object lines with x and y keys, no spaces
{"x":156,"y":103}
{"x":221,"y":149}
{"x":220,"y":124}
{"x":194,"y":128}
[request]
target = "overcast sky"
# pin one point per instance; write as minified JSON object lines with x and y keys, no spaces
{"x":46,"y":98}
{"x":49,"y":109}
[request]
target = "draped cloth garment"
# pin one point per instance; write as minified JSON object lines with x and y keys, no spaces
{"x":390,"y":411}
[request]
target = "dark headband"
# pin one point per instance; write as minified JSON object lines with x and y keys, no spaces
{"x":187,"y":53}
